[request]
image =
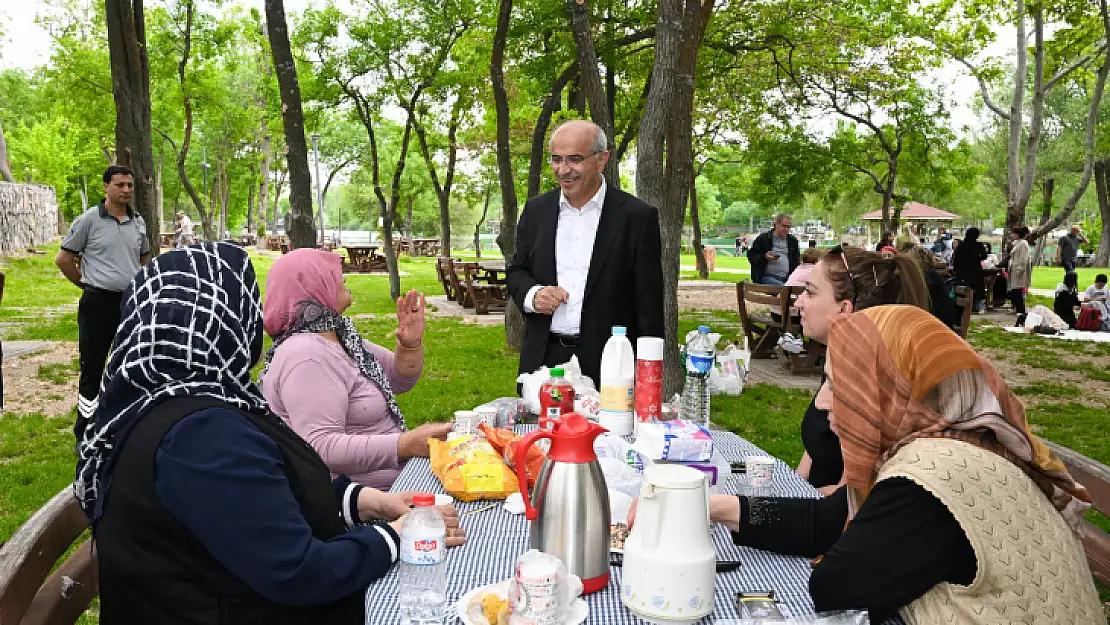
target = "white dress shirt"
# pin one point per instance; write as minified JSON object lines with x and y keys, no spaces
{"x":574,"y":246}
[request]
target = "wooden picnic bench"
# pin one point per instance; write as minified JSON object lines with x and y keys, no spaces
{"x":363,"y":259}
{"x":424,"y":246}
{"x":965,"y":302}
{"x":762,"y":329}
{"x":444,"y":272}
{"x":995,"y":293}
{"x":29,"y":593}
{"x":486,"y":289}
{"x":1096,"y":478}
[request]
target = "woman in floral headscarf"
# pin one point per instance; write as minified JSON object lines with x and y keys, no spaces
{"x":955,"y":512}
{"x":330,"y":385}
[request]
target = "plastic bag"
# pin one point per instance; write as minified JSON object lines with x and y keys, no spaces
{"x":619,"y":477}
{"x":530,"y":383}
{"x":470,"y":469}
{"x":504,"y":443}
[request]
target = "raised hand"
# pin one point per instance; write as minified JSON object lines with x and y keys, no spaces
{"x":410,"y":319}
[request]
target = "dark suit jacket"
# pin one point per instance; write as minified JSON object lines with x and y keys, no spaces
{"x":624,"y":286}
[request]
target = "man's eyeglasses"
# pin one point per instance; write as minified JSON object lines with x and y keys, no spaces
{"x":572,"y":159}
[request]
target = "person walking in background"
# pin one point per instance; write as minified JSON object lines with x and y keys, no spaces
{"x":1020,"y":270}
{"x":111,"y":240}
{"x":587,"y":258}
{"x":183,"y":230}
{"x":967,"y":265}
{"x":1067,"y":248}
{"x":774,"y":254}
{"x":739,"y":242}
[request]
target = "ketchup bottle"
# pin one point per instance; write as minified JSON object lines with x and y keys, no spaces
{"x":556,"y":398}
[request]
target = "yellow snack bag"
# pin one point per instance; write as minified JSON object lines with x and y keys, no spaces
{"x":470,"y":469}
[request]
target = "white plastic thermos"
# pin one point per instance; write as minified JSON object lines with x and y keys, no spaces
{"x":649,"y":379}
{"x":618,"y":375}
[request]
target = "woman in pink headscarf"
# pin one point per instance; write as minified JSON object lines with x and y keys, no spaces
{"x":330,"y":385}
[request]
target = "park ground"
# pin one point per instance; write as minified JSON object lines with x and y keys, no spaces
{"x":1065,"y":385}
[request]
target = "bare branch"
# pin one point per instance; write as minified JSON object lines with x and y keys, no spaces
{"x":1080,"y":62}
{"x":984,"y":89}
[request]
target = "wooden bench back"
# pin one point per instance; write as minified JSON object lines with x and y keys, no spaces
{"x":1096,"y":478}
{"x":965,"y":298}
{"x":762,"y":331}
{"x":27,"y":595}
{"x":444,"y":271}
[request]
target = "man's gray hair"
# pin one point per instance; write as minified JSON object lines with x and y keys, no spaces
{"x":782,"y":216}
{"x":601,"y":142}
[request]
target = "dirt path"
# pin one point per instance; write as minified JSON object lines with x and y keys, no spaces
{"x":53,"y":394}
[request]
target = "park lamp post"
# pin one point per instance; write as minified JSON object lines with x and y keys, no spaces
{"x":319,"y":196}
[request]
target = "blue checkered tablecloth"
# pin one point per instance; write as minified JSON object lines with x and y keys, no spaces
{"x":496,"y":538}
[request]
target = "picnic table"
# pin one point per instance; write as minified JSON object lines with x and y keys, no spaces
{"x":165,"y":239}
{"x":496,"y":538}
{"x":425,"y":246}
{"x":494,"y":271}
{"x":363,"y":259}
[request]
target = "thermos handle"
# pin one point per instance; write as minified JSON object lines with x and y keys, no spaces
{"x":521,"y":469}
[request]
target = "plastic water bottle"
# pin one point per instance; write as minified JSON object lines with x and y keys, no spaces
{"x":422,"y":576}
{"x":695,"y":394}
{"x":618,"y":375}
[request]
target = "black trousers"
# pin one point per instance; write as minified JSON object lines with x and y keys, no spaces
{"x":97,"y":322}
{"x":1017,"y":299}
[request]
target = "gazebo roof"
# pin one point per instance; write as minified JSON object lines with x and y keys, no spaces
{"x":917,"y":212}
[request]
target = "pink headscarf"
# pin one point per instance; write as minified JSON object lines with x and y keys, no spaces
{"x":300,"y":275}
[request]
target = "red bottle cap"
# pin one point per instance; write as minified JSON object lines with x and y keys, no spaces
{"x":423,"y":499}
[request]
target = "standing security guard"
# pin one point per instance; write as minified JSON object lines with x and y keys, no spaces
{"x":111,"y":240}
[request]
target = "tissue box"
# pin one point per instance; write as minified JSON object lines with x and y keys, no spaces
{"x":675,"y":440}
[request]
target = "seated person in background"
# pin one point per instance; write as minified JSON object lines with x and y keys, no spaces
{"x":799,"y":277}
{"x":1097,"y":296}
{"x":1067,"y":299}
{"x":955,"y":512}
{"x":889,"y":251}
{"x":330,"y":385}
{"x":204,"y":506}
{"x":940,"y":303}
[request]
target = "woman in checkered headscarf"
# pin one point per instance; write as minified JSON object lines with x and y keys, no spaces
{"x":187,"y":476}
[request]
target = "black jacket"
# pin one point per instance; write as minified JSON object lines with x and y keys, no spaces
{"x":763,"y":244}
{"x":625,"y":282}
{"x":154,"y":570}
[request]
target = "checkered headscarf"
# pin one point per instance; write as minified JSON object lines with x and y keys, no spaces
{"x":191,"y":325}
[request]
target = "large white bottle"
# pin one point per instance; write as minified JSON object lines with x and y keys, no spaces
{"x":618,"y":377}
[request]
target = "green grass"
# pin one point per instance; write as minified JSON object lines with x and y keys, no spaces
{"x":59,"y":373}
{"x":468,"y":364}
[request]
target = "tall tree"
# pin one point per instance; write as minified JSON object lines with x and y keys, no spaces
{"x":302,"y":231}
{"x":506,"y":240}
{"x":664,"y":158}
{"x":131,"y":89}
{"x":443,"y":191}
{"x":590,"y":79}
{"x":1025,"y":139}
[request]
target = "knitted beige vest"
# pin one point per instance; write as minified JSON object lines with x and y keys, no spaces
{"x":1030,"y":565}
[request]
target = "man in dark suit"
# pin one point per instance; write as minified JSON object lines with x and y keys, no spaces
{"x":587,"y":258}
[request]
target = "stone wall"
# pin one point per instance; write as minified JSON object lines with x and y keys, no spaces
{"x":28,"y":216}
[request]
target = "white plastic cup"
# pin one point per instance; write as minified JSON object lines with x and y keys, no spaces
{"x":487,"y":415}
{"x":760,"y":471}
{"x":466,"y":422}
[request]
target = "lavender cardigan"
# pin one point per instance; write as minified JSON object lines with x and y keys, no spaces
{"x":318,"y":390}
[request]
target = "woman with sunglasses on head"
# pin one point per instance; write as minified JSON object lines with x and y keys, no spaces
{"x":845,"y":280}
{"x":953,"y":512}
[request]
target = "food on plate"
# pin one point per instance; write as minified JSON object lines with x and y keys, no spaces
{"x":618,"y":532}
{"x":488,"y":608}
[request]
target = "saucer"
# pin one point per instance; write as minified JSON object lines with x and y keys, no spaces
{"x":578,"y":612}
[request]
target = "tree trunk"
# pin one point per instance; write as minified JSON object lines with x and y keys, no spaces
{"x":182,"y":174}
{"x":1102,"y":178}
{"x":225,"y":197}
{"x":302,"y":230}
{"x":668,"y":120}
{"x":890,"y":224}
{"x":264,"y":184}
{"x":539,"y":133}
{"x":5,"y":167}
{"x":478,"y":226}
{"x":1046,"y":211}
{"x":127,"y":52}
{"x":506,"y":240}
{"x":590,"y":79}
{"x":250,"y":202}
{"x":443,"y":193}
{"x":278,"y":186}
{"x":408,"y":230}
{"x":159,"y":202}
{"x":695,"y":224}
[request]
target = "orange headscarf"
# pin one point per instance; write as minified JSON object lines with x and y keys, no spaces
{"x":899,"y":374}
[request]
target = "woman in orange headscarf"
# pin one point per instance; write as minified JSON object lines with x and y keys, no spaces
{"x":953,"y":511}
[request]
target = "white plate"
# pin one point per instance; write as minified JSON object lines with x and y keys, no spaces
{"x":578,"y":614}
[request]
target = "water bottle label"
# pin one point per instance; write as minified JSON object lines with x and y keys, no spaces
{"x":423,"y":550}
{"x":698,"y":364}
